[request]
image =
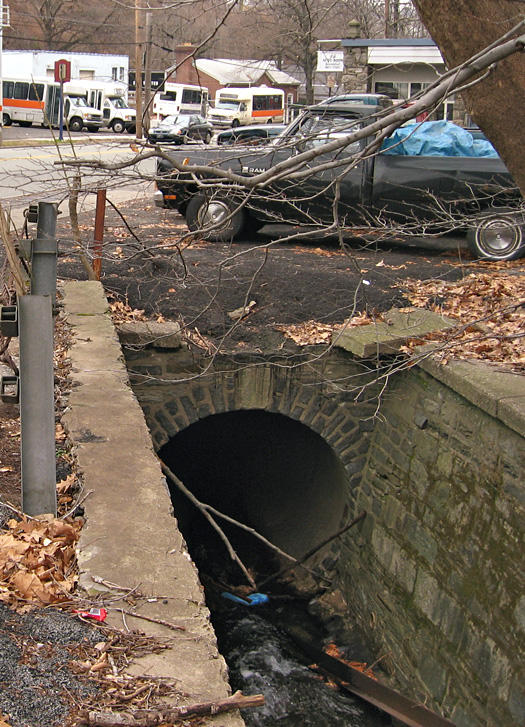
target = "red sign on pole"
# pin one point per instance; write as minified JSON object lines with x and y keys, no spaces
{"x":62,"y":71}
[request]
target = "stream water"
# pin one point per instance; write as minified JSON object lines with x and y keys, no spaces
{"x":262,"y":659}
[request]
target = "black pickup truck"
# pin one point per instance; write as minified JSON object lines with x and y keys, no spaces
{"x":411,"y":194}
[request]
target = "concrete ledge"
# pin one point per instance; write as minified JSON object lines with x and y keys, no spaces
{"x":130,"y":536}
{"x":498,"y":393}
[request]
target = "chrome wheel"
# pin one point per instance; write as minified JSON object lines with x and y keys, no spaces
{"x":217,"y":219}
{"x":213,"y":213}
{"x":498,"y":237}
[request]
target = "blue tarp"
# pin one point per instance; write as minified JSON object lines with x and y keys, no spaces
{"x":436,"y":139}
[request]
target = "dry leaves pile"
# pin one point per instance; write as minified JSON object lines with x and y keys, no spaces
{"x":310,"y":333}
{"x":491,"y":309}
{"x":123,"y":313}
{"x":37,"y":562}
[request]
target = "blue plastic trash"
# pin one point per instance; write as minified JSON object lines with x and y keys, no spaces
{"x":256,"y":599}
{"x":436,"y":138}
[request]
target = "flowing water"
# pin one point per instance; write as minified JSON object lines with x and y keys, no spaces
{"x":263,"y":660}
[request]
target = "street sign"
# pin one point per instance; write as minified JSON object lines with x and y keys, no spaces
{"x":330,"y":60}
{"x":62,"y":71}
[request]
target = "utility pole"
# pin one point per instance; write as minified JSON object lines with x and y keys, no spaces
{"x":4,"y":23}
{"x":138,"y":69}
{"x":387,"y":18}
{"x":147,"y":72}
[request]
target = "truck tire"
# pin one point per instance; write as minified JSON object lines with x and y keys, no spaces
{"x":235,"y":123}
{"x":498,"y":235}
{"x":203,"y":212}
{"x":75,"y":124}
{"x":6,"y":120}
{"x":118,"y":126}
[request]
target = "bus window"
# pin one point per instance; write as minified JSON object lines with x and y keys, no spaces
{"x":191,"y":96}
{"x":21,"y":90}
{"x":36,"y":92}
{"x":9,"y":89}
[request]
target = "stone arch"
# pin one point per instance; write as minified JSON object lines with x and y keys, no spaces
{"x":344,"y":425}
{"x":303,"y":398}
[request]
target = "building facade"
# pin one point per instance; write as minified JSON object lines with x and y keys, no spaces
{"x":397,"y":67}
{"x":87,"y":66}
{"x":217,"y":73}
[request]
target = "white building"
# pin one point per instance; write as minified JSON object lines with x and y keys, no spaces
{"x":41,"y":64}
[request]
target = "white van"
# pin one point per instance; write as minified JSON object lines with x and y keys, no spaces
{"x":242,"y":106}
{"x":179,"y":98}
{"x":111,"y":98}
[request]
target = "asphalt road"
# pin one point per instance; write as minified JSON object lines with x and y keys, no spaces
{"x":34,"y":172}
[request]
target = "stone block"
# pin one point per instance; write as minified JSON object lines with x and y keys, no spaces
{"x":420,"y":539}
{"x":433,"y":675}
{"x":516,"y":701}
{"x":426,"y":594}
{"x":150,"y":334}
{"x":387,"y":337}
{"x":492,"y":667}
{"x":519,"y":614}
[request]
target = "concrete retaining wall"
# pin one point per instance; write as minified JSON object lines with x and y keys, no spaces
{"x":130,"y":537}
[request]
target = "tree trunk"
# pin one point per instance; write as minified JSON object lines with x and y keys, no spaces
{"x":461,"y":28}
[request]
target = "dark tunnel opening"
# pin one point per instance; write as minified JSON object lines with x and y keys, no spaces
{"x":268,"y":471}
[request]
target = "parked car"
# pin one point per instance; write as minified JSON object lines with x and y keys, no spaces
{"x":181,"y":129}
{"x":250,"y":135}
{"x":477,"y":193}
{"x":378,"y":100}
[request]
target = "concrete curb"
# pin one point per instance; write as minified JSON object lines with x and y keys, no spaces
{"x":130,"y":537}
{"x":499,"y":393}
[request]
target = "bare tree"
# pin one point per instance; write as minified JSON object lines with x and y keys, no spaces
{"x":61,"y":24}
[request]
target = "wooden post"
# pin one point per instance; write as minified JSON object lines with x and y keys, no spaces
{"x":147,"y":73}
{"x":98,"y":238}
{"x":138,"y":70}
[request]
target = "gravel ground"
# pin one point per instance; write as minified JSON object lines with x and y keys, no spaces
{"x":36,"y":682}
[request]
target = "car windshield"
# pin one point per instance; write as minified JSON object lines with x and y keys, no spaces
{"x":119,"y":103}
{"x":317,"y":129}
{"x":229,"y":105}
{"x":78,"y":100}
{"x":174,"y":120}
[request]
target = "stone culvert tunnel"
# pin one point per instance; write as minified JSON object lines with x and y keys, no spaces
{"x":278,"y":456}
{"x":433,"y":574}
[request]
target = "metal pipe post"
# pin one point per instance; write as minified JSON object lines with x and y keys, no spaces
{"x":44,"y":255}
{"x":37,"y":405}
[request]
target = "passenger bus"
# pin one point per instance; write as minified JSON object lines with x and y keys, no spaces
{"x":241,"y":106}
{"x":179,"y":98}
{"x":37,"y":101}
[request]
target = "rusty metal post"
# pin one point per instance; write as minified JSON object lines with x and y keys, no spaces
{"x":98,"y":239}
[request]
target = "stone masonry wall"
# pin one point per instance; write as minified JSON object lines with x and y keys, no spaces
{"x":435,"y":576}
